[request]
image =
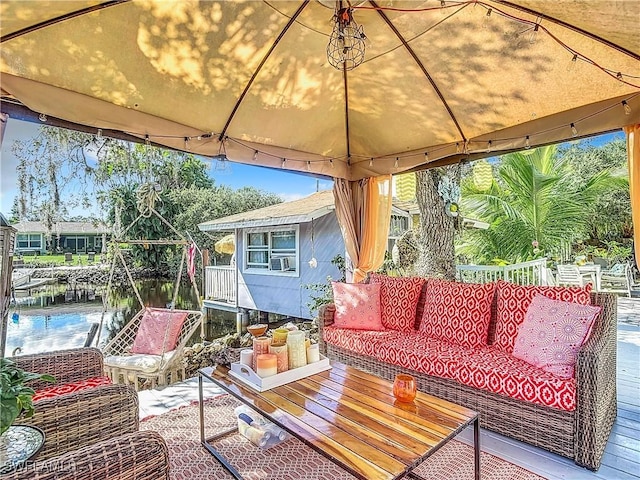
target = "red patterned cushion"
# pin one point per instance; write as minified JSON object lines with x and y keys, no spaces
{"x":158,"y":331}
{"x":357,"y":306}
{"x":412,"y":351}
{"x":458,"y":312}
{"x":399,"y":300}
{"x":56,"y":390}
{"x":497,"y":371}
{"x":513,"y":301}
{"x":552,"y":333}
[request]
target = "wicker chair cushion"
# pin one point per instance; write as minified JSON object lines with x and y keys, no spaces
{"x":413,"y":351}
{"x":552,"y":333}
{"x":138,"y":362}
{"x":492,"y":369}
{"x":513,"y":301}
{"x":57,"y":390}
{"x":357,"y":306}
{"x":457,"y":312}
{"x":399,"y":300}
{"x":158,"y":331}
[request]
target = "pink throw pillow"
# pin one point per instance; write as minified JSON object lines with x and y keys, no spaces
{"x":512,"y":302}
{"x":158,"y":331}
{"x":399,"y":300}
{"x":357,"y":306}
{"x":552,"y":333}
{"x":457,"y":312}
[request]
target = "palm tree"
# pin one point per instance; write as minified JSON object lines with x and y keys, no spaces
{"x":534,"y":204}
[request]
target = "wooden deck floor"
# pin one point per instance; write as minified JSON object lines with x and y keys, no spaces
{"x":621,"y":460}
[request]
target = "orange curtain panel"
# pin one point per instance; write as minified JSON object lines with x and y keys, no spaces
{"x":633,"y":155}
{"x":363,"y":209}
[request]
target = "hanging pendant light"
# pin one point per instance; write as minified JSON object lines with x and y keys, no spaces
{"x":346,"y":45}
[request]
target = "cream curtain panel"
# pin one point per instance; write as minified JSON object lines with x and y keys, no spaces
{"x":363,"y":209}
{"x":633,"y":153}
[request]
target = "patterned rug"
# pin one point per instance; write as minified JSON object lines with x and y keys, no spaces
{"x":291,"y":460}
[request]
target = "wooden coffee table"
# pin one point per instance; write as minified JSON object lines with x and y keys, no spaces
{"x":349,"y":417}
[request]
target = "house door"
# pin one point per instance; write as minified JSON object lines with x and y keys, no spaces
{"x":81,"y":245}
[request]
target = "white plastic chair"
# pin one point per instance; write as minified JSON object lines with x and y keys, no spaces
{"x":571,"y":275}
{"x":618,"y":279}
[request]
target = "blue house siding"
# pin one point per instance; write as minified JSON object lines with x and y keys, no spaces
{"x":287,"y":295}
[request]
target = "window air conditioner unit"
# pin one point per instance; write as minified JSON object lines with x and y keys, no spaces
{"x":282,"y":264}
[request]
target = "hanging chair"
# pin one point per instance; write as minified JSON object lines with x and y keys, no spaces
{"x":149,"y":349}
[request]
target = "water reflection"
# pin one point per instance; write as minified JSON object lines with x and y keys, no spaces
{"x":60,"y":316}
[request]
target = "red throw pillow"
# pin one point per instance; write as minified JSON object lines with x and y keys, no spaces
{"x":458,"y":313}
{"x":158,"y":331}
{"x":514,"y":300}
{"x":357,"y":306}
{"x":552,"y":333}
{"x":56,"y":390}
{"x":399,"y":300}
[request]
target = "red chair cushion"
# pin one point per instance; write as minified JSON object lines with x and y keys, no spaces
{"x":457,"y":312}
{"x":56,"y":390}
{"x":514,"y":300}
{"x":492,"y":369}
{"x":158,"y":331}
{"x":399,"y":300}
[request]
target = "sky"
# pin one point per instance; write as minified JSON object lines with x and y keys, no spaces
{"x":289,"y":186}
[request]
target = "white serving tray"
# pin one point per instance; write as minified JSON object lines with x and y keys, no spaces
{"x":247,"y":376}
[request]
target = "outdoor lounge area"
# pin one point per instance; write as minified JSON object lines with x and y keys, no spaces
{"x":421,"y":370}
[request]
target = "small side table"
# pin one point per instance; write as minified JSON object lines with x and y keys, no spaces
{"x":19,"y":444}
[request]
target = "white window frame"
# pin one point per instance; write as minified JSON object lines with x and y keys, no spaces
{"x":269,"y":231}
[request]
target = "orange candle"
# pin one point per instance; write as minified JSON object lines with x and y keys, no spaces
{"x":267,"y":364}
{"x":404,"y":388}
{"x":260,"y":345}
{"x":280,"y":351}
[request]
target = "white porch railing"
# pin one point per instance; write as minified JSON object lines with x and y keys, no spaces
{"x":220,"y":284}
{"x":526,"y":273}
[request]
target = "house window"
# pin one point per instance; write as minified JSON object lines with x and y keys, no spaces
{"x":274,"y":251}
{"x":29,"y":240}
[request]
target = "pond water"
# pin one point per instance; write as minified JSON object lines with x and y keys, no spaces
{"x":60,"y":316}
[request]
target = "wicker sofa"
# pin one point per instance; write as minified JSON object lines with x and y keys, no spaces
{"x":580,"y":434}
{"x":77,"y":419}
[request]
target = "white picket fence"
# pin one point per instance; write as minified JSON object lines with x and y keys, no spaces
{"x":527,"y":273}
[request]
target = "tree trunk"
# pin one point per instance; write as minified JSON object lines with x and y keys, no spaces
{"x":437,"y":229}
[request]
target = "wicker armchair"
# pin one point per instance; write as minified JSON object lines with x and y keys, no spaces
{"x":138,"y":455}
{"x":77,"y":419}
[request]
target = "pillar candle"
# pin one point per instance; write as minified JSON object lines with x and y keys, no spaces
{"x":266,"y":364}
{"x":296,"y":349}
{"x":260,"y":346}
{"x":280,"y":350}
{"x":246,"y":357}
{"x":280,"y":335}
{"x":313,"y":353}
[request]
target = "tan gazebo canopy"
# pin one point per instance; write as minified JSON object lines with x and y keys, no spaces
{"x":449,"y":79}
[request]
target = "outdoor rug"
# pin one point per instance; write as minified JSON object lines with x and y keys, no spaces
{"x":292,"y":459}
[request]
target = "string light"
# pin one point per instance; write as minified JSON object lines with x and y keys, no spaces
{"x":284,"y":161}
{"x":255,"y":155}
{"x":487,"y":17}
{"x":99,"y":134}
{"x":573,"y":62}
{"x":574,"y":130}
{"x":627,"y":107}
{"x":331,"y":163}
{"x":199,"y":137}
{"x":426,"y":156}
{"x":489,"y":143}
{"x":527,"y":145}
{"x":395,"y":164}
{"x":371,"y":162}
{"x":619,"y":76}
{"x":457,"y":147}
{"x":186,"y":143}
{"x":308,"y":165}
{"x":42,"y":117}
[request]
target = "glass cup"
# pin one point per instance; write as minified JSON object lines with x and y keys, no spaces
{"x":404,"y":388}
